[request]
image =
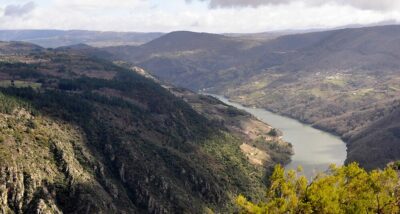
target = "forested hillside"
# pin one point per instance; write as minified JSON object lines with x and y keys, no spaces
{"x":80,"y":134}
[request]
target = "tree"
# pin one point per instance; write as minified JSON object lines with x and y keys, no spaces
{"x":345,"y":189}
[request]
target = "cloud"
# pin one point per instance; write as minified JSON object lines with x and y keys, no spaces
{"x":241,"y":3}
{"x":171,"y":15}
{"x":360,"y":4}
{"x":100,"y":4}
{"x":14,"y":10}
{"x":372,"y":4}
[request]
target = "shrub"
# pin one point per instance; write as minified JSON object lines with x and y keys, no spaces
{"x":273,"y":133}
{"x":31,"y":124}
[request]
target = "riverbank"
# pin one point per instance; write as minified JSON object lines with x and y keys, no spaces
{"x":314,"y":149}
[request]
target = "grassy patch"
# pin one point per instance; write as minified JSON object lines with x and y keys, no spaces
{"x":318,"y":92}
{"x":20,"y":84}
{"x":336,"y":80}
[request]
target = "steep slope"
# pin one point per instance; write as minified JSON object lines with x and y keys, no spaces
{"x":201,"y":58}
{"x":380,"y":140}
{"x":45,"y":166}
{"x":361,"y":48}
{"x":262,"y":144}
{"x":185,"y":55}
{"x":80,"y":134}
{"x":342,"y":80}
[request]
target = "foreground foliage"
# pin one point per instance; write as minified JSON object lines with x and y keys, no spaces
{"x":345,"y":189}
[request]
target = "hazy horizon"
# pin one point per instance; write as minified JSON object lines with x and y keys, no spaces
{"x":305,"y":30}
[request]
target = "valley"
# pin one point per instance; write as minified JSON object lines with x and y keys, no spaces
{"x":342,"y":81}
{"x":199,"y":107}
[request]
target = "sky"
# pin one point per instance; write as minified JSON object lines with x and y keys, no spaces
{"x":216,"y":16}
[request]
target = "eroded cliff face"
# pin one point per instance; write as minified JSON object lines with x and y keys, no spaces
{"x":20,"y":194}
{"x":41,"y":168}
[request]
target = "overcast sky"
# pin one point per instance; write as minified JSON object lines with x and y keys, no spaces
{"x":217,"y":16}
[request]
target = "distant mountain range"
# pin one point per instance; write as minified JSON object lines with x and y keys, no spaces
{"x":57,"y":38}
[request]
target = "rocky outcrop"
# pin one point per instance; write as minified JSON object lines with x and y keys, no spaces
{"x":21,"y":193}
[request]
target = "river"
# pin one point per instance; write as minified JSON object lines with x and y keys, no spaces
{"x":314,"y":149}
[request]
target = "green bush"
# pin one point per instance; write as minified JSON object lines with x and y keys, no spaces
{"x":18,"y":136}
{"x":345,"y":189}
{"x":31,"y":124}
{"x":273,"y":133}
